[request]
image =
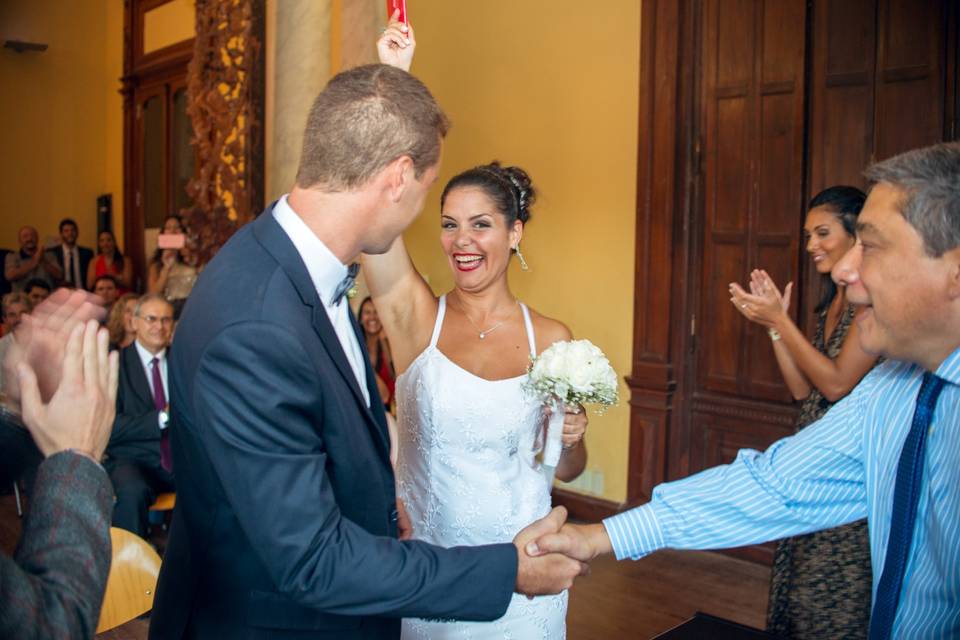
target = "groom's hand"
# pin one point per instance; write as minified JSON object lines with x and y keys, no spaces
{"x":549,"y":572}
{"x":583,"y":542}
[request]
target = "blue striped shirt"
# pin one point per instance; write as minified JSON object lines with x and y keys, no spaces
{"x":840,"y":469}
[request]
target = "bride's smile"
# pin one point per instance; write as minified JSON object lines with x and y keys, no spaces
{"x":475,"y":236}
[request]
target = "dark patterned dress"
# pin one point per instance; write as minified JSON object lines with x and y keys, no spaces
{"x":821,"y":582}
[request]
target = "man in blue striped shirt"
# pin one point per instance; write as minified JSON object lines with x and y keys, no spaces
{"x":905,"y":268}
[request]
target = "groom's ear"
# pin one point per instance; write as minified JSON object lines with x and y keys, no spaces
{"x":398,"y":175}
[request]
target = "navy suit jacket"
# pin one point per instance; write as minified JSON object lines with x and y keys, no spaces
{"x":285,"y":525}
{"x":136,"y":428}
{"x":85,"y":255}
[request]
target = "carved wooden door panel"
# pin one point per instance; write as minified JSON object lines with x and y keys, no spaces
{"x":751,"y":134}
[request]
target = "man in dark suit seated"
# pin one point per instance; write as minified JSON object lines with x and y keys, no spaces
{"x":138,"y":456}
{"x":72,"y":259}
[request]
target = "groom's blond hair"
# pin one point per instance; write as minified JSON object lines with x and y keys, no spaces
{"x":364,"y":119}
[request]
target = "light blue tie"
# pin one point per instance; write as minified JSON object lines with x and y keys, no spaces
{"x":906,"y":495}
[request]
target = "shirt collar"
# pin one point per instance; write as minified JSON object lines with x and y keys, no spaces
{"x":325,"y":270}
{"x":146,"y":356}
{"x":949,"y":369}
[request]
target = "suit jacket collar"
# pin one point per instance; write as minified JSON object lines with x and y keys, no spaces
{"x":276,"y":242}
{"x":137,"y":376}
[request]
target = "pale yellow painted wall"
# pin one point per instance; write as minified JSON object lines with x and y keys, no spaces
{"x":168,"y":24}
{"x":552,"y":87}
{"x":62,"y":131}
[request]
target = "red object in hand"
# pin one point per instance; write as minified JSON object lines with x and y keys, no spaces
{"x":393,"y":5}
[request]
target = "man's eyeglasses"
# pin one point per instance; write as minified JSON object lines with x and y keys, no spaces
{"x":165,"y":320}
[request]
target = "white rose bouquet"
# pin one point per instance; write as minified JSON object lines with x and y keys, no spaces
{"x":568,"y":373}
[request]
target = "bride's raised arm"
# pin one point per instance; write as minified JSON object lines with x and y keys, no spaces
{"x":405,"y":303}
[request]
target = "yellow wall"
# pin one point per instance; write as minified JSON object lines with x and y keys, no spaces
{"x":62,"y":130}
{"x":168,"y":24}
{"x":551,"y":87}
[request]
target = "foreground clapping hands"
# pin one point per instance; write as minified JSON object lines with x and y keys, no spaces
{"x":79,"y":416}
{"x":41,"y":340}
{"x":545,"y":573}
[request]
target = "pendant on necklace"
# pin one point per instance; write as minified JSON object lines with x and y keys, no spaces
{"x":482,"y":335}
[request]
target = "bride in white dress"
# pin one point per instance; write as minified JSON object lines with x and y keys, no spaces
{"x":468,"y":434}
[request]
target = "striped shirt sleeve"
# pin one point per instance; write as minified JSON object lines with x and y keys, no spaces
{"x":806,"y":482}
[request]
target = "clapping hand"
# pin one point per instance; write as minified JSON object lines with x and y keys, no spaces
{"x":545,"y":573}
{"x":396,"y":44}
{"x":764,"y":304}
{"x":41,"y":339}
{"x":80,"y":414}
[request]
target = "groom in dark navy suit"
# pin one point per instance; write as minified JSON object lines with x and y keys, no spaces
{"x":286,"y":522}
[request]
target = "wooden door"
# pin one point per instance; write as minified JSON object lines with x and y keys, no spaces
{"x":751,"y":129}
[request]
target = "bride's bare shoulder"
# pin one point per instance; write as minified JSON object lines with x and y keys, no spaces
{"x":548,"y":330}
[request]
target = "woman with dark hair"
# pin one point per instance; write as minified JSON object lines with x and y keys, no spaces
{"x":168,"y":273}
{"x":821,"y":582}
{"x":468,"y":433}
{"x":110,"y":262}
{"x":378,"y":350}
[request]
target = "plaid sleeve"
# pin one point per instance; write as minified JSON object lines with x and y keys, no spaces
{"x":54,"y":586}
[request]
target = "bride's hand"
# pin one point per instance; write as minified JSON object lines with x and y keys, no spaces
{"x":574,"y":426}
{"x":396,"y":44}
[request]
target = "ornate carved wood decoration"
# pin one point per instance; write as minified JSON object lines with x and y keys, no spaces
{"x":225,"y":87}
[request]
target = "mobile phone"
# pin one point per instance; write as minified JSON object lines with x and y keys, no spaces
{"x":393,"y":5}
{"x":171,"y":241}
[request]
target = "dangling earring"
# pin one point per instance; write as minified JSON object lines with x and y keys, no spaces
{"x":523,"y":263}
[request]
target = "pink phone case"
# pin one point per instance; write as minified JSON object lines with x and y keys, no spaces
{"x":171,"y":241}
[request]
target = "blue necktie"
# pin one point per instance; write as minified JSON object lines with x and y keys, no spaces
{"x":906,"y":495}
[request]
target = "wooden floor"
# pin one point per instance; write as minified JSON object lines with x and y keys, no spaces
{"x":617,"y":600}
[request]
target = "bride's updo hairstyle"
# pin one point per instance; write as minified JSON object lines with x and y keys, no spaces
{"x":509,"y":188}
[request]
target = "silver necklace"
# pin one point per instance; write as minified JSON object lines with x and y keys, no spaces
{"x":485,"y":332}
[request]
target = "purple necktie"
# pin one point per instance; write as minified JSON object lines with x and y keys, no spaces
{"x":160,"y":403}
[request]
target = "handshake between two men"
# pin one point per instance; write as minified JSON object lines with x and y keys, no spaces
{"x":552,"y":553}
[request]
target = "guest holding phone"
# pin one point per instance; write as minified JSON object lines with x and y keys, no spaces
{"x":169,"y":273}
{"x":821,"y":581}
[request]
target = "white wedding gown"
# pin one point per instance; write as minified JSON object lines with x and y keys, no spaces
{"x":467,"y":475}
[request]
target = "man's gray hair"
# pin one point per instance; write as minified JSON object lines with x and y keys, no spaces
{"x":149,"y":297}
{"x":930,"y":180}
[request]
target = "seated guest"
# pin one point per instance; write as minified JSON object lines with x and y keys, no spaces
{"x":53,"y":586}
{"x":14,"y":306}
{"x":110,"y":261}
{"x":170,"y":272}
{"x":378,"y":350}
{"x":105,"y":286}
{"x":73,"y":260}
{"x":30,"y":263}
{"x":138,"y":456}
{"x":37,"y":291}
{"x":120,"y":321}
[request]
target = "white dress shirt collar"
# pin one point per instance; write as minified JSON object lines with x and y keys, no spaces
{"x":326,"y":271}
{"x":146,"y":356}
